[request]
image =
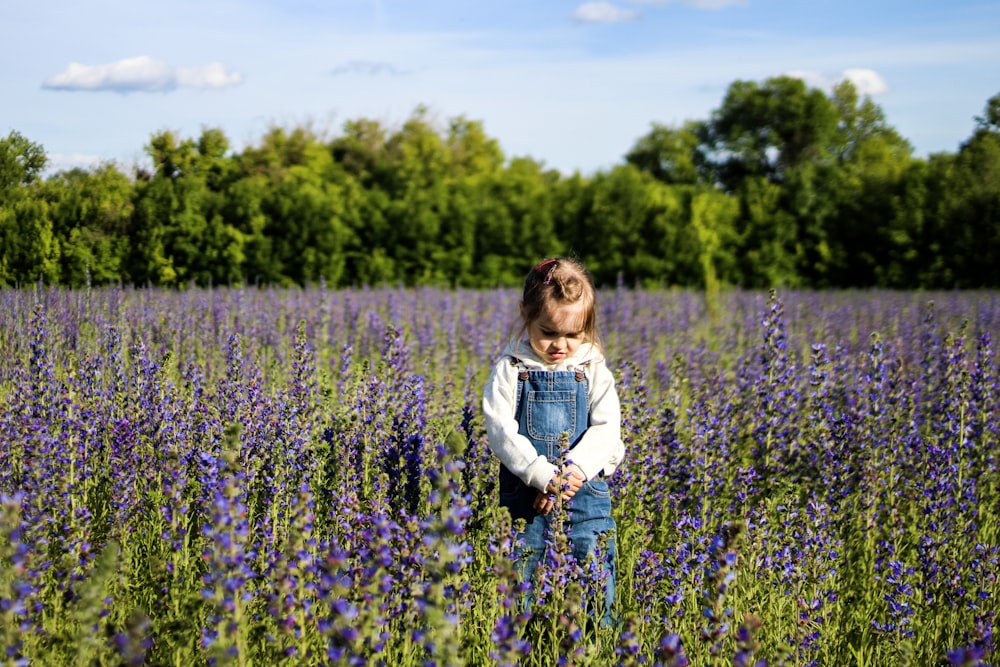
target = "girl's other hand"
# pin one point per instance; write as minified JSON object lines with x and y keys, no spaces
{"x":544,"y":502}
{"x":567,"y":482}
{"x":562,"y":487}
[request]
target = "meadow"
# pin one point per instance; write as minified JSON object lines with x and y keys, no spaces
{"x":243,"y":476}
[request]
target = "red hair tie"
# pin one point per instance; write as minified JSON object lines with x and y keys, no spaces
{"x":542,"y":265}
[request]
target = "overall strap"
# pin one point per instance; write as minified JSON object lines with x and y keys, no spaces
{"x":579,"y":374}
{"x":522,"y":376}
{"x":522,"y":370}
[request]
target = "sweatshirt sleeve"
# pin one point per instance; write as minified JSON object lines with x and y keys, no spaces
{"x":513,"y":449}
{"x":601,"y":448}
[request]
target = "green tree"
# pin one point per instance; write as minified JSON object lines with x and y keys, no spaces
{"x":306,"y":219}
{"x":472,"y":153}
{"x":713,"y":215}
{"x":671,"y":155}
{"x":911,"y":256}
{"x":869,"y":184}
{"x":303,"y":208}
{"x":243,"y":210}
{"x":29,"y":250}
{"x":418,"y":200}
{"x":572,"y":203}
{"x":21,"y":163}
{"x":972,"y":207}
{"x":819,"y":180}
{"x":474,"y":160}
{"x":765,"y":130}
{"x":92,"y":214}
{"x":180,"y":235}
{"x":990,"y":120}
{"x":499,"y":257}
{"x":361,"y":152}
{"x":629,"y":232}
{"x":865,"y":234}
{"x":767,"y":245}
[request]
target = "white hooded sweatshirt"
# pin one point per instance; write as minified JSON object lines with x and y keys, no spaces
{"x":600,"y":449}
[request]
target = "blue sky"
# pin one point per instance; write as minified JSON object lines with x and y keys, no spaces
{"x":572,"y":84}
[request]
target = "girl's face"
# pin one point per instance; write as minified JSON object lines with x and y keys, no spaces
{"x":558,"y":331}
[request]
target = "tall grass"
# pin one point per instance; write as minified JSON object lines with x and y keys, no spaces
{"x":262,"y":477}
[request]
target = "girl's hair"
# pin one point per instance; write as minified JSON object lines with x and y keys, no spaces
{"x":563,"y":281}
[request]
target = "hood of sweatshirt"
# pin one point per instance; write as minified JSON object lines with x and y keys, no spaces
{"x":521,"y":349}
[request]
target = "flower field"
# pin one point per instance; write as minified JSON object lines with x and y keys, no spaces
{"x":300,"y":477}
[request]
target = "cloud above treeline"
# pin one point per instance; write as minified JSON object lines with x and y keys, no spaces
{"x":866,"y":81}
{"x":141,"y":74}
{"x":367,"y":68}
{"x":696,"y":4}
{"x":608,"y":12}
{"x":603,"y":12}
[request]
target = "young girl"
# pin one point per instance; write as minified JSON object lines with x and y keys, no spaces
{"x":551,"y":380}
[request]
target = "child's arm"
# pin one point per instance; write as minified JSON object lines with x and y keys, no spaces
{"x":563,"y":486}
{"x":513,"y":449}
{"x":601,"y":447}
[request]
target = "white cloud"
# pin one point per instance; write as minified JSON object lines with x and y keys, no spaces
{"x":366,"y":67}
{"x":867,"y":81}
{"x":141,"y":74}
{"x":607,"y":12}
{"x":697,"y":4}
{"x":603,"y":12}
{"x":62,"y":162}
{"x":214,"y":75}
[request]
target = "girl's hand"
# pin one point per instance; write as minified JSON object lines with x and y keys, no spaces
{"x":566,"y":482}
{"x":544,"y":502}
{"x":561,"y":488}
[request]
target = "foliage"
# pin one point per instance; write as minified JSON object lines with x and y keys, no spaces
{"x":783,"y":185}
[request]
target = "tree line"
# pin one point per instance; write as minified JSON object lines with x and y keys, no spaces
{"x":783,"y":185}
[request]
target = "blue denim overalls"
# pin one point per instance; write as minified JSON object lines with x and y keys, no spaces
{"x":550,"y":403}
